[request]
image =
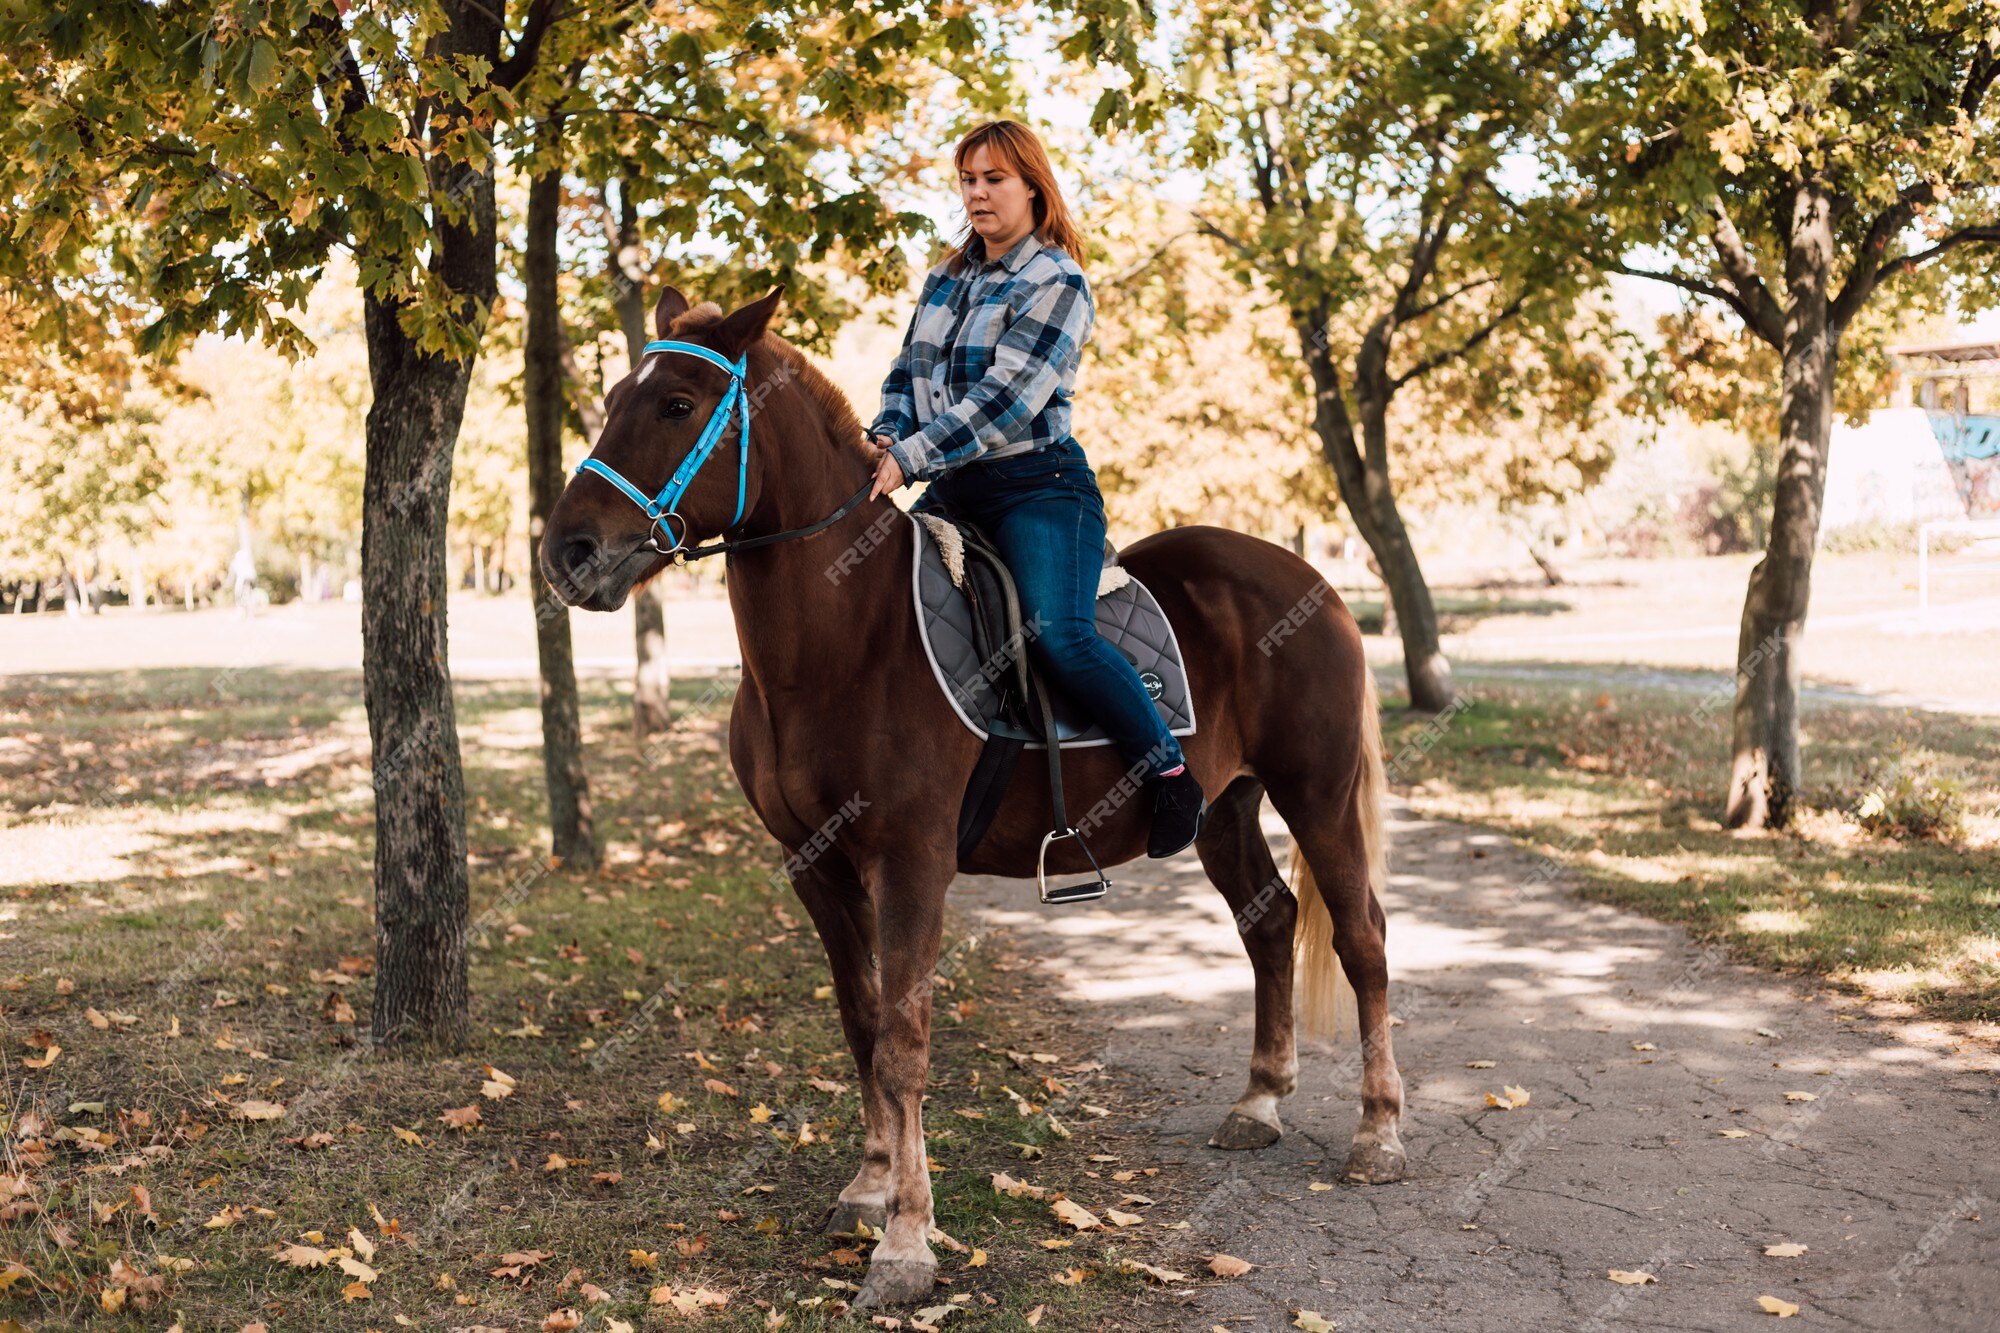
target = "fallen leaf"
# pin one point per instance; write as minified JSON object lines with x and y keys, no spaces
{"x":1734,"y":1133}
{"x":718,"y":1087}
{"x":1075,"y":1215}
{"x":1789,"y":1250}
{"x":304,"y":1256}
{"x":978,"y":1259}
{"x":1801,"y":1097}
{"x":1312,"y":1321}
{"x":1228,"y":1265}
{"x":1479,"y":1064}
{"x":498,"y":1084}
{"x":1619,"y":1275}
{"x":1510,"y":1098}
{"x":1164,"y":1276}
{"x":407,"y":1135}
{"x":1016,"y":1189}
{"x":1319,"y":1186}
{"x":1118,"y":1219}
{"x":1772,"y":1305}
{"x":356,"y":1269}
{"x":460,"y":1117}
{"x":257,"y":1110}
{"x":641,"y":1260}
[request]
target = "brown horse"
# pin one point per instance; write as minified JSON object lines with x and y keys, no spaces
{"x":855,"y":761}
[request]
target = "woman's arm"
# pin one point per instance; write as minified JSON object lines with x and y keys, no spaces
{"x":1029,"y":362}
{"x":898,"y":416}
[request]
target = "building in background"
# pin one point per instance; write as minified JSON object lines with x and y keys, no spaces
{"x":1931,"y":454}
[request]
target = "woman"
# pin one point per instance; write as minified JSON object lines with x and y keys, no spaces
{"x":978,"y":404}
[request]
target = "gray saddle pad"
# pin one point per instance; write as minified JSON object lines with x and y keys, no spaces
{"x":1128,"y":617}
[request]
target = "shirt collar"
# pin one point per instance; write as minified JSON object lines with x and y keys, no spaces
{"x":1024,"y":250}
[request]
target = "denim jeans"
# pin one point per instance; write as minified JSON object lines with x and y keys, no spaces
{"x":1046,"y":516}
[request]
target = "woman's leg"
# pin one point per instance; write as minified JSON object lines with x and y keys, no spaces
{"x":1052,"y":537}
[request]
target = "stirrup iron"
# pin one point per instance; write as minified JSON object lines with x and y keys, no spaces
{"x":1083,"y":890}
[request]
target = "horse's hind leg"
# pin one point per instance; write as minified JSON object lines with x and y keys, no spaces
{"x":840,"y":908}
{"x":1341,"y":841}
{"x":1234,"y":854}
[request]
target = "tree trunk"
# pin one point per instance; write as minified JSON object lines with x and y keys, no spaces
{"x":420,"y":867}
{"x":650,"y":680}
{"x":573,"y":837}
{"x":1371,"y":501}
{"x":1764,"y":770}
{"x":422,"y":931}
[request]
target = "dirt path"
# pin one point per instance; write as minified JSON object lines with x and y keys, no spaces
{"x":1638,"y":1049}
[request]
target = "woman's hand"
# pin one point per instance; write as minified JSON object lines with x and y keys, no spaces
{"x":888,"y":472}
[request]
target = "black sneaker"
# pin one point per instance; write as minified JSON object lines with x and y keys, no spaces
{"x":1178,"y":808}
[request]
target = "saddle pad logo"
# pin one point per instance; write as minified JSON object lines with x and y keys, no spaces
{"x":1155,"y":687}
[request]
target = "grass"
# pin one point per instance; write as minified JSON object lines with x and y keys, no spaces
{"x":1625,"y":790}
{"x":185,"y":913}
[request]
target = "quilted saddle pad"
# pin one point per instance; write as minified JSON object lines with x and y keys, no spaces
{"x":1127,"y":616}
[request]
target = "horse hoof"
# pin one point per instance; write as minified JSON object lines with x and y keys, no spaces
{"x":1239,"y":1133}
{"x":845,"y":1219}
{"x":1376,"y":1163}
{"x":895,"y":1282}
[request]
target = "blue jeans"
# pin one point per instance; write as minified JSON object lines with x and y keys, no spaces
{"x":1045,"y":514}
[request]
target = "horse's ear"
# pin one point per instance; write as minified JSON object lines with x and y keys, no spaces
{"x":671,"y":307}
{"x":747,"y":324}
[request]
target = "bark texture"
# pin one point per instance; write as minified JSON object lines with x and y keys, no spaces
{"x":572,"y":835}
{"x":1764,"y":769}
{"x":650,"y":680}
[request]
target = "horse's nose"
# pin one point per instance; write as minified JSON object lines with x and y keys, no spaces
{"x":580,"y":552}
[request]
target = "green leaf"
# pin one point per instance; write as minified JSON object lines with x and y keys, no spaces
{"x":263,"y":66}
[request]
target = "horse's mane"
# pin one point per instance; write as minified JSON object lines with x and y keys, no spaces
{"x":845,"y":427}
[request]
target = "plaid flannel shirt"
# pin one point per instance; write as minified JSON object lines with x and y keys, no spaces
{"x":988,"y":361}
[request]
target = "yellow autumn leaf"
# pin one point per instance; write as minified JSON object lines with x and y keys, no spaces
{"x":760,"y":1114}
{"x":1312,"y":1321}
{"x":1772,"y":1305}
{"x":1734,"y":1133}
{"x":354,"y":1268}
{"x":498,"y":1084}
{"x":1788,"y":1250}
{"x":1228,"y":1265}
{"x":1801,"y":1096}
{"x":978,"y":1259}
{"x":1118,"y":1219}
{"x":1619,"y":1275}
{"x":1075,"y":1215}
{"x":253,"y":1109}
{"x":1510,"y":1098}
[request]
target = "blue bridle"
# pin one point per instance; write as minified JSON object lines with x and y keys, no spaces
{"x":661,"y":507}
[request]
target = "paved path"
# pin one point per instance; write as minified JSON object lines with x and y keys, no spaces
{"x":1511,"y":1219}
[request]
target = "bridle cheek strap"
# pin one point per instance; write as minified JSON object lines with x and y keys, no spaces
{"x":663,"y":506}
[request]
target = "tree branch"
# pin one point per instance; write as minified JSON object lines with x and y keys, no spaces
{"x":1699,"y":288}
{"x":1757,"y":305}
{"x":521,"y":62}
{"x":1436,"y":359}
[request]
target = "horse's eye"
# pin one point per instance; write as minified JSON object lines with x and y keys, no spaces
{"x":676,"y":409}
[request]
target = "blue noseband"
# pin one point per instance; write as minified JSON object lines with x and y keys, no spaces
{"x":661,"y":507}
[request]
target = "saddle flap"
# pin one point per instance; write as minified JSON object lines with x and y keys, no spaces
{"x":963,"y":634}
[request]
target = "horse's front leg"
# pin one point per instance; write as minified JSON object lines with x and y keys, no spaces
{"x":909,"y":896}
{"x":838,"y":904}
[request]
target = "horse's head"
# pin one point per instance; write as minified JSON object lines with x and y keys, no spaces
{"x":601,"y":541}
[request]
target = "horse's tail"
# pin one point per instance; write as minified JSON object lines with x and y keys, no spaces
{"x":1325,"y":997}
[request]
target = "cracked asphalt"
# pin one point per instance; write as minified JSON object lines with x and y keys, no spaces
{"x":1659,"y":1136}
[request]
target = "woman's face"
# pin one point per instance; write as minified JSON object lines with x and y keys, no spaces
{"x":998,"y":202}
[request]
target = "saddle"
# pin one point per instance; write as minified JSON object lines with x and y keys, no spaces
{"x":976,"y":641}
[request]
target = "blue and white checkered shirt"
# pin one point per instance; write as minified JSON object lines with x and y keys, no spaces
{"x":989,"y":360}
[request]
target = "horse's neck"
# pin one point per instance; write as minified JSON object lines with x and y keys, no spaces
{"x":806,"y":610}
